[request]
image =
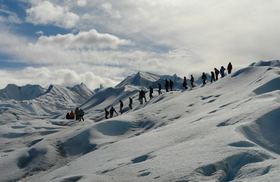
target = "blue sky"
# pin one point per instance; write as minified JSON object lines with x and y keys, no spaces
{"x":101,"y":41}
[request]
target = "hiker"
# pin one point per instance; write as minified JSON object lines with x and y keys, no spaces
{"x":229,"y":68}
{"x":82,"y":113}
{"x":185,"y":85}
{"x":204,"y":78}
{"x":171,"y":83}
{"x":106,"y":113}
{"x":143,"y":93}
{"x":68,"y":116}
{"x":112,"y":111}
{"x":192,"y":81}
{"x":140,"y":97}
{"x":159,"y":88}
{"x":216,"y":71}
{"x":212,"y":76}
{"x":130,"y":103}
{"x":151,"y":92}
{"x":166,"y":85}
{"x":72,"y":115}
{"x":222,"y":71}
{"x":77,"y":113}
{"x":121,"y":106}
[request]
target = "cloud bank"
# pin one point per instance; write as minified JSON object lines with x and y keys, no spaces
{"x":110,"y":39}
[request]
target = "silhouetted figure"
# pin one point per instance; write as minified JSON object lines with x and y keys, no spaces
{"x":192,"y":81}
{"x":68,"y":116}
{"x":217,"y":72}
{"x":77,"y":113}
{"x":81,"y":113}
{"x":106,"y":113}
{"x":166,"y":85}
{"x":144,"y":95}
{"x":112,"y":111}
{"x":171,"y":83}
{"x":151,"y":92}
{"x":222,"y":71}
{"x":121,"y":106}
{"x":204,"y":78}
{"x":185,"y":85}
{"x":140,"y":97}
{"x":130,"y":103}
{"x":229,"y":68}
{"x":159,"y":88}
{"x":212,"y":76}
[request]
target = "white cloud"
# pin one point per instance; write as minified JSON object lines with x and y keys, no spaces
{"x":83,"y":40}
{"x":179,"y":36}
{"x":52,"y":75}
{"x":81,"y":2}
{"x":47,"y":13}
{"x":108,"y":8}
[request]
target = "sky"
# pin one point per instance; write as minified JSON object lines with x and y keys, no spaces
{"x":67,"y":42}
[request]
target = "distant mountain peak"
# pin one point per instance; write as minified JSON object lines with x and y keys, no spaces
{"x":26,"y":92}
{"x":139,"y":79}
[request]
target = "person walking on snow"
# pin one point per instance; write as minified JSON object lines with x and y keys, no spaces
{"x":121,"y":106}
{"x":216,"y":71}
{"x":222,"y":71}
{"x":81,"y":117}
{"x":159,"y":88}
{"x":166,"y":85}
{"x":185,"y":85}
{"x":112,"y":111}
{"x":229,"y":68}
{"x":192,"y":81}
{"x":151,"y":92}
{"x":171,"y":83}
{"x":77,"y":113}
{"x":140,"y":97}
{"x":143,"y":93}
{"x":106,"y":113}
{"x":204,"y":78}
{"x":130,"y":103}
{"x":212,"y":76}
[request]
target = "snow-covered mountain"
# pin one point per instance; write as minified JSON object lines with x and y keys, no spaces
{"x":82,"y":90}
{"x":26,"y":102}
{"x":225,"y":131}
{"x":146,"y":80}
{"x":26,"y":92}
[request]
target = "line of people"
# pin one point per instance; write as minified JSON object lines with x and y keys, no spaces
{"x":215,"y":74}
{"x":169,"y":85}
{"x":78,"y":115}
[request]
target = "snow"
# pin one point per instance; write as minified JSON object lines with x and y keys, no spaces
{"x":225,"y":131}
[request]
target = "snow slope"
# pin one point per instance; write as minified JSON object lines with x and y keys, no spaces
{"x":225,"y":131}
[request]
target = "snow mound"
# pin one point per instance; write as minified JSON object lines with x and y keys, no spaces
{"x":269,"y":86}
{"x":265,"y":131}
{"x":231,"y":168}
